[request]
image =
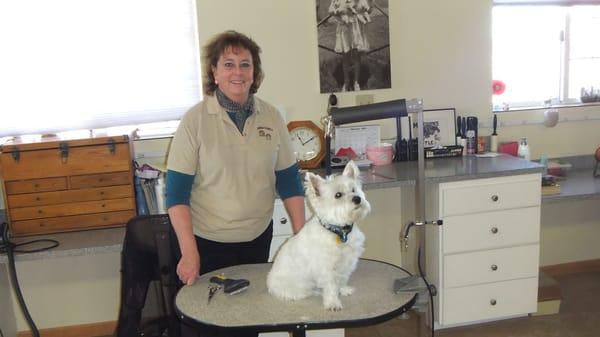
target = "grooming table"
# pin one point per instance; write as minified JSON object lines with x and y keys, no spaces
{"x":373,"y":301}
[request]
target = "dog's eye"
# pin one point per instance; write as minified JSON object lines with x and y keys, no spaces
{"x":338,"y":195}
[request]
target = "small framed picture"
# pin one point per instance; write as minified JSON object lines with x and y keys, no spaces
{"x":439,"y":127}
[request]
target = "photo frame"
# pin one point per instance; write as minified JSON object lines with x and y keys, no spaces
{"x":439,"y":127}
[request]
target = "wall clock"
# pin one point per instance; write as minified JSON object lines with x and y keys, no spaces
{"x":308,"y":142}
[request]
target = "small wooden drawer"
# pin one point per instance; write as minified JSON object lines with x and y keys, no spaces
{"x":487,"y":301}
{"x":85,"y":207}
{"x":70,"y":223}
{"x":491,"y":266}
{"x":97,"y":180}
{"x":485,"y":195}
{"x":63,"y":197}
{"x":463,"y":233}
{"x":36,"y":185}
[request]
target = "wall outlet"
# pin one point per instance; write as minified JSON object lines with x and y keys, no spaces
{"x":364,"y":99}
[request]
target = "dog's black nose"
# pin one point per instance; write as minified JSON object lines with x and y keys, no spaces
{"x":356,"y":200}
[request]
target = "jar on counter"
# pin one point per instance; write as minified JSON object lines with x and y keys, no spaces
{"x":523,"y":151}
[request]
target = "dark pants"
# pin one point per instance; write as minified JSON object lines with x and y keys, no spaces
{"x":216,"y":255}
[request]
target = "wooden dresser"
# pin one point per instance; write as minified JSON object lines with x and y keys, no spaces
{"x":58,"y":185}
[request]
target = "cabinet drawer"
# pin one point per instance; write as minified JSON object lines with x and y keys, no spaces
{"x":488,"y":301}
{"x":281,"y":221}
{"x":462,"y":233}
{"x":36,"y":185}
{"x":70,"y":223}
{"x":62,"y":197}
{"x":80,"y":160}
{"x":484,"y":195}
{"x":98,"y":180}
{"x":490,"y":266}
{"x":85,"y":207}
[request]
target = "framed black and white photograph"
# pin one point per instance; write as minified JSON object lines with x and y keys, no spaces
{"x":354,"y":45}
{"x":439,"y":127}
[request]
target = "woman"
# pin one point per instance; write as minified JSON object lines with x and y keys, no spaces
{"x":229,"y":157}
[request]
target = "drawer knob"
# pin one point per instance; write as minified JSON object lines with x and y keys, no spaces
{"x":493,"y":301}
{"x":494,"y":230}
{"x":36,"y":185}
{"x":283,"y":221}
{"x":494,"y":197}
{"x":494,"y":267}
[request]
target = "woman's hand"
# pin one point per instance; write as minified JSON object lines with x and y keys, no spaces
{"x":188,"y":268}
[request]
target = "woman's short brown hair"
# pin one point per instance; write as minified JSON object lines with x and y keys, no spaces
{"x":213,"y":50}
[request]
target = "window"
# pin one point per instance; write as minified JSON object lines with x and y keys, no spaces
{"x":83,"y":64}
{"x":545,"y":54}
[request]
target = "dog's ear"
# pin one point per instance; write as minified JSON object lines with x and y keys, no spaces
{"x":351,"y":170}
{"x":313,"y":183}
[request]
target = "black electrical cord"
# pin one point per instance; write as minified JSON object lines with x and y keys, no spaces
{"x":428,"y":290}
{"x":15,"y":282}
{"x":8,"y":248}
{"x":1,"y":334}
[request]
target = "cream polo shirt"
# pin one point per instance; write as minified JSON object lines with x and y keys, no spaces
{"x":234,"y":185}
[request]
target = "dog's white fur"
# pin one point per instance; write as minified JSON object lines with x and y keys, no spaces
{"x":315,"y":260}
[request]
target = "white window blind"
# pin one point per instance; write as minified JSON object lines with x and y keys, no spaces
{"x":83,"y":64}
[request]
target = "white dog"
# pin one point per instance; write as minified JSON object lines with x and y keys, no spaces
{"x":323,"y":255}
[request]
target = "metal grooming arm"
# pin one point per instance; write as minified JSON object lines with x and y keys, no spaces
{"x":383,"y":110}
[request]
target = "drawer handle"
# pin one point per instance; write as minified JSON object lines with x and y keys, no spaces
{"x":493,"y":301}
{"x":283,"y":221}
{"x":494,"y":230}
{"x":37,"y":199}
{"x":494,"y":198}
{"x":494,"y":267}
{"x":40,"y":211}
{"x":36,"y":185}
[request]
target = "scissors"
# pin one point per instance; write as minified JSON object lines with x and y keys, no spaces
{"x":212,"y":290}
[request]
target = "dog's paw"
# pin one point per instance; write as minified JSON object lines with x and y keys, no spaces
{"x":346,"y":291}
{"x":333,"y":305}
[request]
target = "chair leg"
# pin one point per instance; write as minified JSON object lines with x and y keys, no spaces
{"x":168,"y":281}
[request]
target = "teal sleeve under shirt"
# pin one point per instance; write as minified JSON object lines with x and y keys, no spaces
{"x":288,"y":182}
{"x":179,"y":185}
{"x":179,"y":188}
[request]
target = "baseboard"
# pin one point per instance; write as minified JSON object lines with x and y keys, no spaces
{"x":547,"y":308}
{"x":83,"y":330}
{"x":572,"y":268}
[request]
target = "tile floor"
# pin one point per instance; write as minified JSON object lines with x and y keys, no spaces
{"x":579,"y":317}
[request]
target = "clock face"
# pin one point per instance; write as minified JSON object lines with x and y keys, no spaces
{"x":306,"y":143}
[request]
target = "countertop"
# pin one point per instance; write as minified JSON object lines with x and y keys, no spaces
{"x":394,"y":175}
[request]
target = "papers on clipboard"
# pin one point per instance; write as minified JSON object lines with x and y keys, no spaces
{"x":357,"y":138}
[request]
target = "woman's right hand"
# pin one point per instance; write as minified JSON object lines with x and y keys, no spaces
{"x":188,"y":268}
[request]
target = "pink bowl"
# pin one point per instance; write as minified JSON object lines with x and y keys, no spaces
{"x":381,"y":154}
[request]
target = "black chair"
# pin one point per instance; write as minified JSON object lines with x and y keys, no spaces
{"x":147,"y":256}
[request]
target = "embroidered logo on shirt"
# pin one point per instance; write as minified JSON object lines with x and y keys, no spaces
{"x":264,"y":131}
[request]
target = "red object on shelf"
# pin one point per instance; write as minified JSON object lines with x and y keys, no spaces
{"x":346,"y":152}
{"x":498,"y":87}
{"x":511,"y":148}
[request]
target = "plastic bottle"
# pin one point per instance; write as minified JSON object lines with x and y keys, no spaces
{"x":523,"y":151}
{"x":160,"y":190}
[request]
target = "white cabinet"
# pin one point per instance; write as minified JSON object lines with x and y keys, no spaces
{"x":484,"y":259}
{"x":282,"y":230}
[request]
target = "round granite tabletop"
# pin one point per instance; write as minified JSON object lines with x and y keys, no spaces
{"x":373,"y":301}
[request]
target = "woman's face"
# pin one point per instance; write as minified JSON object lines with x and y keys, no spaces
{"x":234,"y":73}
